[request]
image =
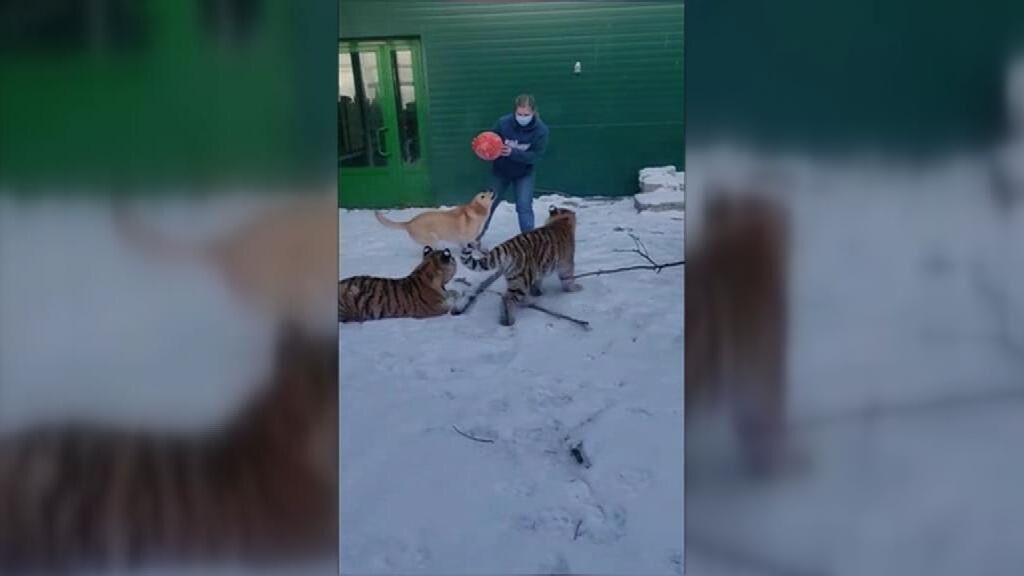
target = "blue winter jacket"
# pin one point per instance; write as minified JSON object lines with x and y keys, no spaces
{"x":527,"y":143}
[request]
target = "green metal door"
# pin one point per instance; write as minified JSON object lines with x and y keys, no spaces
{"x":382,"y":152}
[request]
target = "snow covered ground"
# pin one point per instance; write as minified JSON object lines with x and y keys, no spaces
{"x":417,"y":497}
{"x":907,"y":379}
{"x":908,"y":382}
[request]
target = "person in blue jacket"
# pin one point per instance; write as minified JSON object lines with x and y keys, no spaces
{"x":525,"y":137}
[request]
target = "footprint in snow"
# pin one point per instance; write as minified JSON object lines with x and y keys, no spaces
{"x":633,"y":481}
{"x":518,"y":488}
{"x":579,"y":492}
{"x":675,"y":560}
{"x":605,"y":524}
{"x":386,"y":555}
{"x":543,"y":398}
{"x":558,"y":567}
{"x":595,"y":524}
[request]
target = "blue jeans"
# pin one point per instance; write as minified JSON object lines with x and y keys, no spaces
{"x":523,"y":196}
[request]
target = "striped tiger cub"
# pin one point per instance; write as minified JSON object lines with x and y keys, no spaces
{"x":262,"y":487}
{"x":736,"y":327}
{"x":526,"y":259}
{"x":421,"y":294}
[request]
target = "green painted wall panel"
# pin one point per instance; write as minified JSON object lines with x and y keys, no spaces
{"x":624,"y":112}
{"x":176,"y":110}
{"x":900,"y":76}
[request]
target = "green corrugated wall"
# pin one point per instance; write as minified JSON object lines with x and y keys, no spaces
{"x":624,"y":112}
{"x":174,"y":110}
{"x":898,"y":76}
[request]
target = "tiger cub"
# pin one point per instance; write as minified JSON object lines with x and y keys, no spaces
{"x":736,"y":326}
{"x":526,"y":259}
{"x":421,"y":294}
{"x":261,"y":487}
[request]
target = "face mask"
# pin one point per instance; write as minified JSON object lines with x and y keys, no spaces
{"x":523,"y":120}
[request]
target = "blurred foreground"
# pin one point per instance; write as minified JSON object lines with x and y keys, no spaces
{"x":906,"y":377}
{"x":154,"y":415}
{"x":893,"y":135}
{"x":150,"y":413}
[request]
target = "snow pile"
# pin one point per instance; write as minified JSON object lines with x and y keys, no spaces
{"x":661,"y":188}
{"x":419,"y":497}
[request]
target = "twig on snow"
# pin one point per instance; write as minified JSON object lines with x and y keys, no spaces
{"x":641,"y":250}
{"x":476,"y":294}
{"x":589,"y":419}
{"x":576,"y":533}
{"x":656,"y":268}
{"x":490,"y":280}
{"x":471,"y":437}
{"x":581,"y":323}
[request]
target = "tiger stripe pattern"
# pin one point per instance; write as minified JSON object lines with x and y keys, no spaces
{"x":736,"y":326}
{"x":260,"y":488}
{"x":526,"y":259}
{"x":421,"y":294}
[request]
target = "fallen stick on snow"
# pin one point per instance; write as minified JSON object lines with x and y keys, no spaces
{"x":490,"y":280}
{"x":476,"y":294}
{"x":471,"y":437}
{"x":656,"y":268}
{"x":640,"y":250}
{"x":581,"y":323}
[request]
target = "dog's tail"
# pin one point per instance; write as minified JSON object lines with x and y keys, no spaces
{"x":389,"y":223}
{"x":131,"y":229}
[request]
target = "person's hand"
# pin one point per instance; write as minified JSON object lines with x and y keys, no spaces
{"x":506,"y":150}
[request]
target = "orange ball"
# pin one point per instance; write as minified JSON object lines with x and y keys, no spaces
{"x":487,"y":145}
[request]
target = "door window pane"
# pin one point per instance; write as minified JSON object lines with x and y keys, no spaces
{"x":352,"y":149}
{"x":361,"y":129}
{"x":405,"y":100}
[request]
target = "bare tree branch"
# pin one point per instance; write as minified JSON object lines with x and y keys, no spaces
{"x":656,"y":268}
{"x":490,"y":280}
{"x":639,"y":249}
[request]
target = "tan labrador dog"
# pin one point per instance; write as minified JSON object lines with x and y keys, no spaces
{"x":283,"y":259}
{"x":459,"y":225}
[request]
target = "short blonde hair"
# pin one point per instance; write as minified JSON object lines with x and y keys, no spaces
{"x":526,"y":100}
